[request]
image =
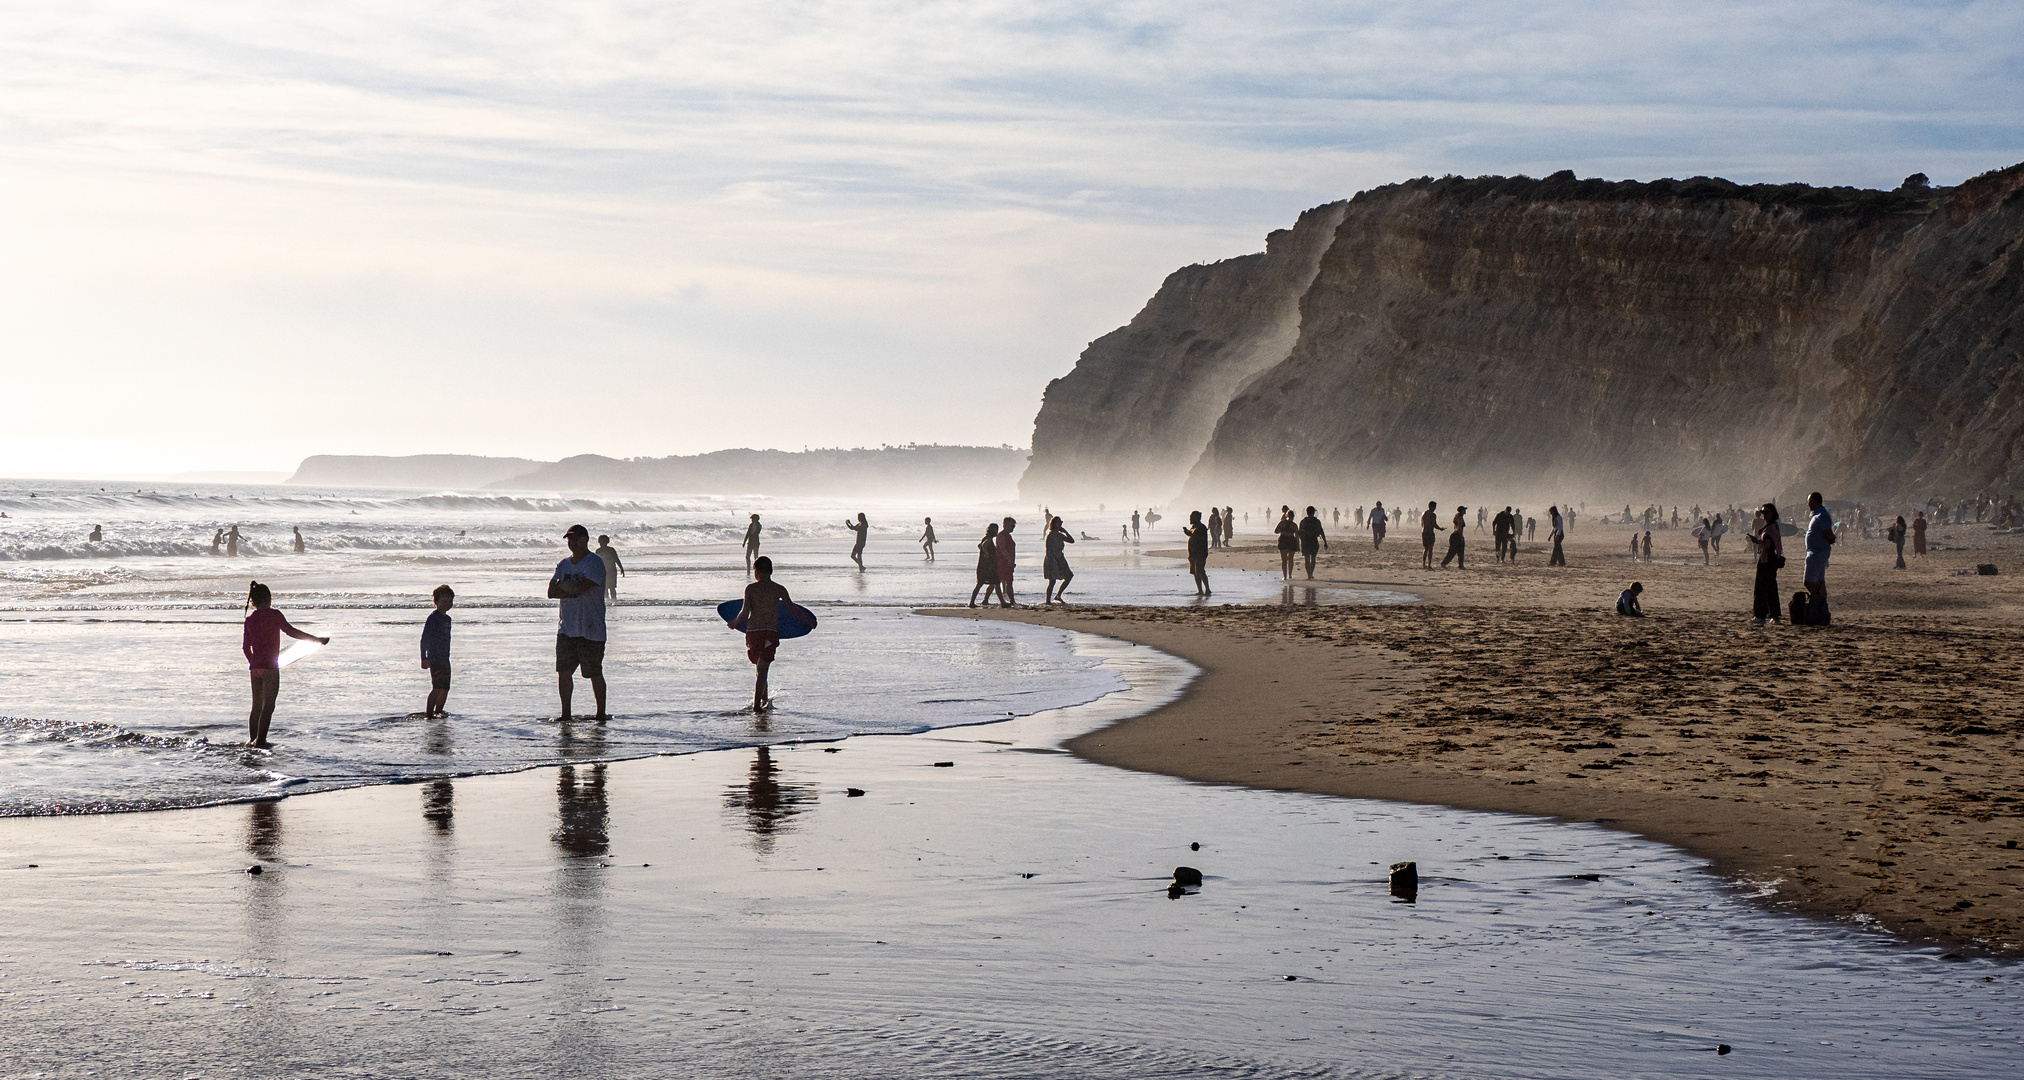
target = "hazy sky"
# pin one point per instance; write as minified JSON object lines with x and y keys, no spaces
{"x":236,"y":233}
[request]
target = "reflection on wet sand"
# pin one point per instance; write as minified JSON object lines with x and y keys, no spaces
{"x":437,"y":797}
{"x":768,"y":802}
{"x":582,"y":818}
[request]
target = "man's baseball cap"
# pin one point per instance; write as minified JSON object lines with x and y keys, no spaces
{"x":578,"y":530}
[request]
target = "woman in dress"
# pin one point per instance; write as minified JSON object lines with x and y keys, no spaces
{"x":1770,"y":552}
{"x":1289,"y":541}
{"x":1918,"y":532}
{"x":1056,"y":566}
{"x":987,"y":565}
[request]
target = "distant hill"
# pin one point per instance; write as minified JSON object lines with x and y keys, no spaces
{"x":953,"y":473}
{"x":416,"y":471}
{"x":941,"y":473}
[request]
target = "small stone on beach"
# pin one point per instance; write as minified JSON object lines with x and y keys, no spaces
{"x":1187,"y":875}
{"x":945,"y":764}
{"x":852,"y":793}
{"x":255,"y":869}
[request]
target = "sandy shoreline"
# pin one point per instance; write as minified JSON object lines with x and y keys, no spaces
{"x":1870,"y":770}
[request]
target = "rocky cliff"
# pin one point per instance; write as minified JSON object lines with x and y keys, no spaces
{"x":1692,"y":339}
{"x":1139,"y":407}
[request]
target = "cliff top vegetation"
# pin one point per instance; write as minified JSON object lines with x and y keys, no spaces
{"x":1914,"y":197}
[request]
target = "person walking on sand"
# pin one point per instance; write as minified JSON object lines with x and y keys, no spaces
{"x":1556,"y":532}
{"x":1055,"y":566}
{"x":261,"y":642}
{"x":987,"y":566}
{"x":1007,"y":561}
{"x":232,"y":543}
{"x":1313,"y":538}
{"x":751,"y":543}
{"x":1716,"y":532}
{"x":759,"y":621}
{"x":436,"y":651}
{"x":1648,"y":545}
{"x":1289,"y":541}
{"x":1896,"y":535}
{"x":612,"y":566}
{"x":1504,"y":530}
{"x":1820,"y":540}
{"x":1134,"y":524}
{"x":578,"y":583}
{"x":863,"y":530}
{"x":1229,"y":524}
{"x":1377,"y":522}
{"x":928,"y":538}
{"x":1701,"y":537}
{"x":1770,"y":556}
{"x":1918,"y":532}
{"x":1429,"y":525}
{"x":1455,"y":545}
{"x":1198,"y":551}
{"x":1633,"y":546}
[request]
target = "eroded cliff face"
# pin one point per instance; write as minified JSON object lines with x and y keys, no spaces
{"x":1138,"y":409}
{"x":1575,"y":337}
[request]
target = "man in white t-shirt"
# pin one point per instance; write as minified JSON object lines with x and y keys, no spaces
{"x":579,"y":637}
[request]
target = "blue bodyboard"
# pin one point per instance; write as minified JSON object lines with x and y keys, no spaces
{"x":795,"y":621}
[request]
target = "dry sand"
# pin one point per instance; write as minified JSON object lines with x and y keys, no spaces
{"x":1867,"y":770}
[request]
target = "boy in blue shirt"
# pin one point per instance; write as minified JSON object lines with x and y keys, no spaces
{"x":436,"y":651}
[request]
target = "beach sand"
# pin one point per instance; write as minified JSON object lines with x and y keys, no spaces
{"x":1869,"y":770}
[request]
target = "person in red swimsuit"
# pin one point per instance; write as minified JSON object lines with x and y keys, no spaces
{"x":262,"y":646}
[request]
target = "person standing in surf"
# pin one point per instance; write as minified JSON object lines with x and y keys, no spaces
{"x":612,"y":566}
{"x":579,"y":634}
{"x":987,"y":565}
{"x":232,"y":542}
{"x":300,"y":547}
{"x":1007,"y":560}
{"x":1198,"y":551}
{"x":751,"y":544}
{"x":928,"y":538}
{"x":759,"y":621}
{"x":863,"y":529}
{"x":261,"y":642}
{"x":436,"y":651}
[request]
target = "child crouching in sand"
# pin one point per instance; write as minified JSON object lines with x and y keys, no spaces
{"x":261,"y":643}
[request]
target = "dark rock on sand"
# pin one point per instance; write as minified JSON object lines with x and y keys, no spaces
{"x":853,"y":793}
{"x":1187,"y":875}
{"x":256,"y":868}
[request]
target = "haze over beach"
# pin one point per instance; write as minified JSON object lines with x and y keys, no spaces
{"x":991,"y":540}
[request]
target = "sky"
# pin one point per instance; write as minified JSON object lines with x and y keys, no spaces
{"x":237,"y":234}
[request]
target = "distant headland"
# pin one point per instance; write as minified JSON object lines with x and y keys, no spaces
{"x":914,"y":471}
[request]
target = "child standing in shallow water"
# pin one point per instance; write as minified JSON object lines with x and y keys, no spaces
{"x":436,"y":652}
{"x":261,"y":642}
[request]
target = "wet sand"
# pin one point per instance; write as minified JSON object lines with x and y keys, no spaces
{"x":1866,"y":771}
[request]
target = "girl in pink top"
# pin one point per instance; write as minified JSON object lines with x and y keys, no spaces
{"x":262,"y":646}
